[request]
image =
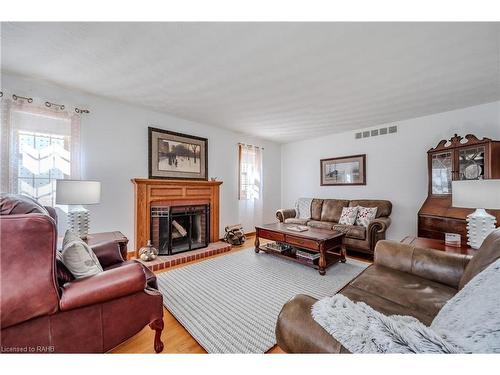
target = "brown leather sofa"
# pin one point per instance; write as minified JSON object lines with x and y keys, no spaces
{"x":325,"y":214}
{"x":404,"y":280}
{"x":44,"y":309}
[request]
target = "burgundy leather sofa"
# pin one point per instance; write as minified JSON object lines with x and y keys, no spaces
{"x":44,"y":309}
{"x":404,"y":280}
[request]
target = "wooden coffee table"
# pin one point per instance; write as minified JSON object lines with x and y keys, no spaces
{"x":327,"y":242}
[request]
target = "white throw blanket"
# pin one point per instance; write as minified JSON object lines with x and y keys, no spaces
{"x":361,"y":329}
{"x":468,"y":323}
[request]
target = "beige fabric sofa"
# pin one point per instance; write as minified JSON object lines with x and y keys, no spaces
{"x":325,"y":214}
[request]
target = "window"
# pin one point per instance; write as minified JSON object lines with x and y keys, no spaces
{"x":250,"y":179}
{"x":43,"y":147}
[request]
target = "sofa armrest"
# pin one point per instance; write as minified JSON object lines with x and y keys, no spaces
{"x":298,"y":332}
{"x":436,"y":265}
{"x":285,"y":213}
{"x":108,"y":253}
{"x":379,"y":225}
{"x":105,"y":286}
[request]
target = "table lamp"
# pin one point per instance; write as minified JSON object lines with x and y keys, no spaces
{"x":479,"y":194}
{"x":76,"y":193}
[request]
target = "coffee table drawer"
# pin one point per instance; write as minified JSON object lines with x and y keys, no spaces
{"x":302,"y":242}
{"x":269,"y":235}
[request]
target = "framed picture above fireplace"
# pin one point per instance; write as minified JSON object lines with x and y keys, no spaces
{"x":347,"y":170}
{"x":177,"y":156}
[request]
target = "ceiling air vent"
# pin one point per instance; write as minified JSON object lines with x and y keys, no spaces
{"x":376,"y":132}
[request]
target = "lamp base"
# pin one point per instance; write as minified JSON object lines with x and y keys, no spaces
{"x":79,"y":221}
{"x":479,"y":225}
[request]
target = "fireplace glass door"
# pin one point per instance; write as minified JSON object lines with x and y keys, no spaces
{"x":177,"y":229}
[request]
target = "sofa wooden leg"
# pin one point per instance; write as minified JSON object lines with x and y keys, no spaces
{"x":157,"y":326}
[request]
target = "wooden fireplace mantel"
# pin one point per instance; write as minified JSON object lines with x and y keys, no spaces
{"x":148,"y":191}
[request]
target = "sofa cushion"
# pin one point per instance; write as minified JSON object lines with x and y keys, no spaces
{"x":316,"y":207}
{"x":422,"y":295}
{"x":383,"y":305}
{"x":332,"y":209}
{"x":487,"y":254}
{"x":352,"y":231}
{"x":384,"y":207}
{"x":293,"y":220}
{"x":320,"y":224}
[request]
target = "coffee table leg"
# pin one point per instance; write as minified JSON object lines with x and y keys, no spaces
{"x":342,"y":253}
{"x":322,"y":261}
{"x":257,"y":243}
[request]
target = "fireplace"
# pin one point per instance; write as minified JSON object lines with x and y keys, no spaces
{"x":151,"y":193}
{"x":179,"y":228}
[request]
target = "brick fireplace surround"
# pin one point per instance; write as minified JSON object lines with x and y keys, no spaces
{"x":176,"y":192}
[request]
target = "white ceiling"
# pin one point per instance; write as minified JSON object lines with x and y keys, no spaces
{"x":279,"y":81}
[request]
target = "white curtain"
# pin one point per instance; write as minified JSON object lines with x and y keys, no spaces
{"x":39,"y":144}
{"x":250,"y":207}
{"x":250,"y":179}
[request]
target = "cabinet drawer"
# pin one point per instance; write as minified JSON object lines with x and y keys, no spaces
{"x":269,"y":235}
{"x":442,"y":224}
{"x":302,"y":242}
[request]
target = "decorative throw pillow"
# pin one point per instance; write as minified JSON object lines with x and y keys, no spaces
{"x":78,"y":257}
{"x":303,"y":208}
{"x":348,"y":216}
{"x":366,"y":215}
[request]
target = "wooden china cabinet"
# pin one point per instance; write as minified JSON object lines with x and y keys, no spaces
{"x":459,"y":158}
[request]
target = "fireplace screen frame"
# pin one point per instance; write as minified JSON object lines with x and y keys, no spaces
{"x":178,"y":211}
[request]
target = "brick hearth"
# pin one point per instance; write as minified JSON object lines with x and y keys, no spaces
{"x":164,"y":261}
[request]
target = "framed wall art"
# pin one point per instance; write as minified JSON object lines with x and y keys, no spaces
{"x":177,"y":156}
{"x":347,"y":170}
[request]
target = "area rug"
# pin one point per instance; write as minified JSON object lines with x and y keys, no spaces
{"x":230,"y":304}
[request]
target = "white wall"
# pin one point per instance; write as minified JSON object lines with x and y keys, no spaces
{"x":114,"y":150}
{"x":114,"y":139}
{"x":396,"y":163}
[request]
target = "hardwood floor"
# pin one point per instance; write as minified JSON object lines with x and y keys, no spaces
{"x":175,"y":337}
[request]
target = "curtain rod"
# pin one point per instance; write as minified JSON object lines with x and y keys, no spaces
{"x":47,"y":103}
{"x":246,"y":144}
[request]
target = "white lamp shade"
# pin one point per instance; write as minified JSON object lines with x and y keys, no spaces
{"x":476,"y":194}
{"x":78,"y":192}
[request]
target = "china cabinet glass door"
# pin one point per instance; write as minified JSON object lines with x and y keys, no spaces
{"x":442,"y":165}
{"x":471,"y":163}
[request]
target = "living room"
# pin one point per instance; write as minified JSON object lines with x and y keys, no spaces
{"x":250,"y":188}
